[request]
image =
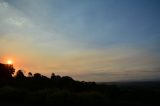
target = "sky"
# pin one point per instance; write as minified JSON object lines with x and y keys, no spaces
{"x":91,"y":40}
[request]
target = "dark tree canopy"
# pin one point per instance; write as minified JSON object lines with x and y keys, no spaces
{"x":29,"y":74}
{"x":19,"y":75}
{"x":6,"y":72}
{"x":37,"y":76}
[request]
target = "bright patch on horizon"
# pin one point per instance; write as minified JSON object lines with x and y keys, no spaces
{"x":9,"y":62}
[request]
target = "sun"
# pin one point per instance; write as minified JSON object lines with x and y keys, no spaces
{"x":9,"y":62}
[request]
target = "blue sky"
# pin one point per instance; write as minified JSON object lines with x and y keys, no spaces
{"x":102,"y":40}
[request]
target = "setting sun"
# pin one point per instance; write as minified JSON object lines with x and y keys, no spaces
{"x":9,"y":62}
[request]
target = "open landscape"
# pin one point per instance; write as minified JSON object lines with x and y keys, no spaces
{"x":58,"y":90}
{"x":79,"y":52}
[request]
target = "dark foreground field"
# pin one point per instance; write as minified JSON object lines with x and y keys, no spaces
{"x":128,"y":94}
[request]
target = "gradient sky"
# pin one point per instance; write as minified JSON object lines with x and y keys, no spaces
{"x":92,"y":40}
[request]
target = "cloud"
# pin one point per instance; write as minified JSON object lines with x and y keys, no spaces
{"x":19,"y":22}
{"x":3,"y":4}
{"x":13,"y":20}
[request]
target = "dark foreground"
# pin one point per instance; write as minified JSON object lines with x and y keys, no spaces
{"x":131,"y":94}
{"x":39,"y":90}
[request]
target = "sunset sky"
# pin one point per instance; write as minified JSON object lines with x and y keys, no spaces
{"x":92,"y":40}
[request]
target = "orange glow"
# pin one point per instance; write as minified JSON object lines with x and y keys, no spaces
{"x":9,"y":62}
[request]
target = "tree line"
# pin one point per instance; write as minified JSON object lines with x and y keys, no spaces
{"x":39,"y":81}
{"x":39,"y":90}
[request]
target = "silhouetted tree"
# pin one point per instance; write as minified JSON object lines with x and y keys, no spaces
{"x":37,"y":76}
{"x":55,"y":78}
{"x":20,"y":79}
{"x":66,"y":79}
{"x":6,"y":72}
{"x":29,"y":74}
{"x":19,"y":75}
{"x":53,"y":75}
